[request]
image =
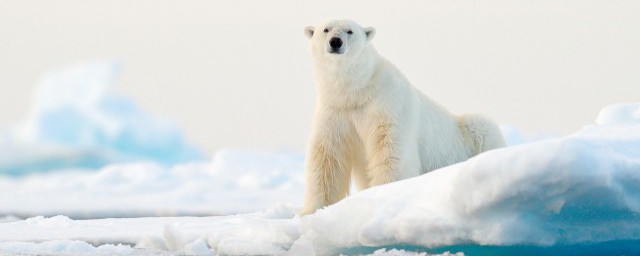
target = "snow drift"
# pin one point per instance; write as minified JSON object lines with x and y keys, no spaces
{"x":583,"y":188}
{"x":77,"y":121}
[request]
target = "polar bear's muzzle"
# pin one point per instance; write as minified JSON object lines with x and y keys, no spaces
{"x":335,"y":45}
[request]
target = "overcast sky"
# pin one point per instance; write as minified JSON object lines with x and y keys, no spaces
{"x":238,"y":74}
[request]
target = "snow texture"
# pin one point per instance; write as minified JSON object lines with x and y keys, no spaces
{"x":266,"y":232}
{"x":234,"y":181}
{"x":63,"y":247}
{"x":623,"y":113}
{"x":77,"y":121}
{"x":269,"y":232}
{"x":575,"y":195}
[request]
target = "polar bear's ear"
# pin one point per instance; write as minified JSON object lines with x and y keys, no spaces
{"x":308,"y":31}
{"x":370,"y":32}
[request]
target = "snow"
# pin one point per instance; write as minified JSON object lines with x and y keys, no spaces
{"x":513,"y":136}
{"x":579,"y":189}
{"x":265,"y":232}
{"x":619,"y":114}
{"x":198,"y":247}
{"x":268,"y":232}
{"x":577,"y":194}
{"x":77,"y":121}
{"x":63,"y":247}
{"x":233,"y":181}
{"x":583,"y":188}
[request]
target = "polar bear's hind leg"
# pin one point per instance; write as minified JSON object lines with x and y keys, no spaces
{"x":481,"y":133}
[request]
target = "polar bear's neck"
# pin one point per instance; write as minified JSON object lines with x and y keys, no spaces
{"x":346,"y":83}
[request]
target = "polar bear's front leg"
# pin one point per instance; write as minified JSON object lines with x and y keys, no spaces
{"x":384,"y":155}
{"x":327,"y":170}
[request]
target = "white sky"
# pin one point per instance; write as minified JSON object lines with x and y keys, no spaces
{"x":238,"y":74}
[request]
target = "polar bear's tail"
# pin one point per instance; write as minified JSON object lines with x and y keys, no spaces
{"x":480,"y":132}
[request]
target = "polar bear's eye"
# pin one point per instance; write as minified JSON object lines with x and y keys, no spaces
{"x":326,"y":30}
{"x":349,"y":32}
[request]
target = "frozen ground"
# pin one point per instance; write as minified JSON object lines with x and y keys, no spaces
{"x":576,"y":195}
{"x":233,"y":181}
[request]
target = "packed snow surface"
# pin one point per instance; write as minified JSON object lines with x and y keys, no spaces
{"x":77,"y":121}
{"x":270,"y":232}
{"x":580,"y":192}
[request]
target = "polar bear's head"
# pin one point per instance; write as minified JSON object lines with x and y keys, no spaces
{"x":338,"y":39}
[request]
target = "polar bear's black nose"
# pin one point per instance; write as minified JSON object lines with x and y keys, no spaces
{"x":335,"y":42}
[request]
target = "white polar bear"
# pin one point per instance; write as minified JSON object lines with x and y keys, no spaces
{"x":372,"y":125}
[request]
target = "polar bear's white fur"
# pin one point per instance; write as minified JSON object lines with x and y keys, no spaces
{"x":371,"y":125}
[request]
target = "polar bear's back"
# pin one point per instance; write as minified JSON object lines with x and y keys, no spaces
{"x":440,"y":143}
{"x":434,"y":136}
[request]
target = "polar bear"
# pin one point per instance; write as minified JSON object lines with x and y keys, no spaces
{"x":371,"y":125}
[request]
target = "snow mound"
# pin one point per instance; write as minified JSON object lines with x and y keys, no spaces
{"x":583,"y":188}
{"x":198,"y":248}
{"x":619,"y":114}
{"x":77,"y":121}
